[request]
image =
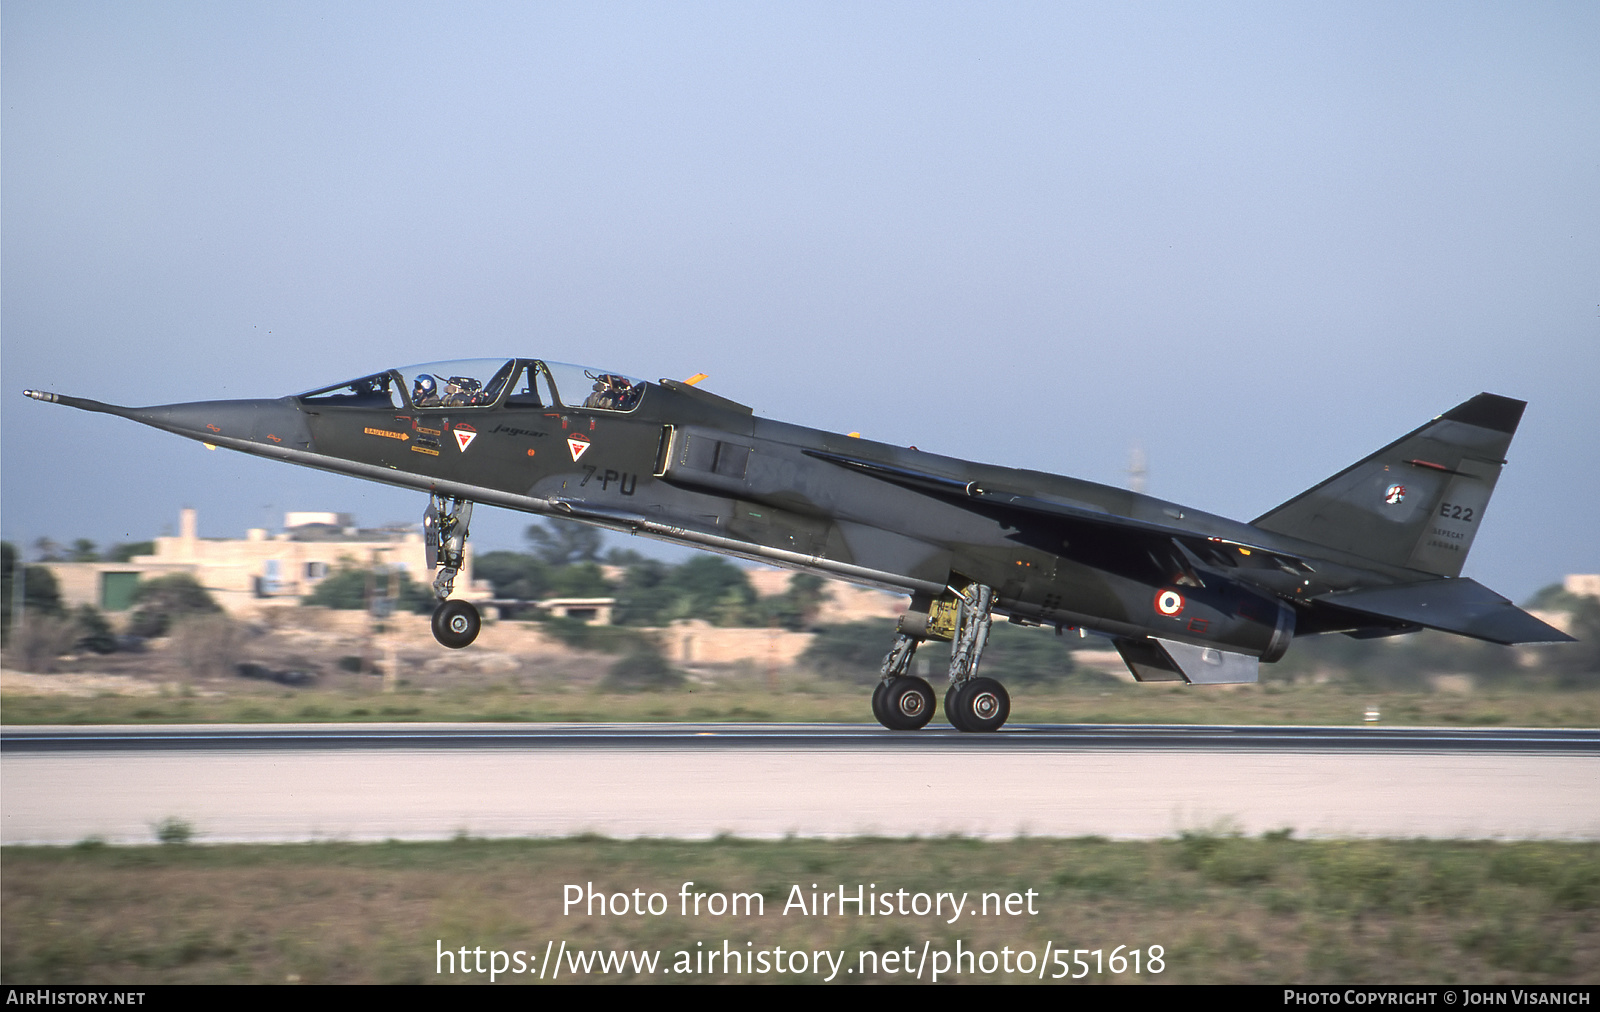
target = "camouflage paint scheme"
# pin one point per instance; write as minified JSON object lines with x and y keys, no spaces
{"x":1375,"y":550}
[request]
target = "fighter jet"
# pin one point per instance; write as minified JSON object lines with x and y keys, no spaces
{"x":1185,"y":596}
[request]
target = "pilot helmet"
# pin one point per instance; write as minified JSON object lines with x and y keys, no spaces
{"x":425,"y":387}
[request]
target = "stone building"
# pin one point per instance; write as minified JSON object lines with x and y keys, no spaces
{"x":263,"y":570}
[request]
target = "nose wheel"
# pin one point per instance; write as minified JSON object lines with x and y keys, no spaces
{"x":455,"y":624}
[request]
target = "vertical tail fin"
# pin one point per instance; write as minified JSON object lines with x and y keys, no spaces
{"x":1419,"y":501}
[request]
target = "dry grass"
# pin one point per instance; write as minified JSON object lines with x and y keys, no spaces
{"x":39,"y":642}
{"x":1225,"y":909}
{"x":569,"y":691}
{"x":516,"y":673}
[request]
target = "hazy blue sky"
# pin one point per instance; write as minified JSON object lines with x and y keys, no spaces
{"x":1261,"y":240}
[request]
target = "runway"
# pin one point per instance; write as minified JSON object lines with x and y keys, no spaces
{"x":259,"y":783}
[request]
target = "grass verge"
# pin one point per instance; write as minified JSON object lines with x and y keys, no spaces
{"x":1223,"y":909}
{"x":801,"y":699}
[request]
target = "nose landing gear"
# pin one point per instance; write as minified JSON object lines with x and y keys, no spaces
{"x":455,"y":623}
{"x":444,"y":525}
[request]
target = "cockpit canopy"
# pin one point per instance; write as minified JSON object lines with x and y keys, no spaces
{"x":485,"y":383}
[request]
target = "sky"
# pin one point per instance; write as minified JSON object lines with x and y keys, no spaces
{"x":1258,"y":241}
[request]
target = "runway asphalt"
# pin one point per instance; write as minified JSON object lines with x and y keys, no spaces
{"x":225,"y":737}
{"x":408,"y":781}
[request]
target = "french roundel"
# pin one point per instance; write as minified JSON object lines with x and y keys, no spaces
{"x":1169,"y":602}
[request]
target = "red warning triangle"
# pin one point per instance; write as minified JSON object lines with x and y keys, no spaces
{"x":577,"y":444}
{"x":464,"y":438}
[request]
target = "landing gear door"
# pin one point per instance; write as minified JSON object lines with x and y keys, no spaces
{"x":430,"y":537}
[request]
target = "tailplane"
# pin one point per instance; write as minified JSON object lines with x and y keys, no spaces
{"x":1419,"y":501}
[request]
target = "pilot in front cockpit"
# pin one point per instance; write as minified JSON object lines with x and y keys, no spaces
{"x":425,"y":392}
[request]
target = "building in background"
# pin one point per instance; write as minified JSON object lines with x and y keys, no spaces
{"x":264,"y":569}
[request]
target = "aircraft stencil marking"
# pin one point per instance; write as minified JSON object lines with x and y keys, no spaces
{"x":965,"y":541}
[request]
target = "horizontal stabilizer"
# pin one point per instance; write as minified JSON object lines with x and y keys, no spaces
{"x":1159,"y":660}
{"x":1459,"y":605}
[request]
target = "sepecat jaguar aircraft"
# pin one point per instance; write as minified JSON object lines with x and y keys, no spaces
{"x":1376,"y":550}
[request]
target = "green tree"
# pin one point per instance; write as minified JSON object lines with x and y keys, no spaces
{"x":579,"y":580}
{"x":8,"y":565}
{"x":796,"y":608}
{"x":713,"y":588}
{"x":627,"y":558}
{"x":641,"y":669}
{"x":514,"y":575}
{"x":563,"y":542}
{"x":854,"y":651}
{"x":1577,"y":665}
{"x":349,"y":586}
{"x":84,"y":550}
{"x":1018,"y":655}
{"x":1015,"y":655}
{"x":1555,"y":597}
{"x":1399,"y":663}
{"x":128,"y":549}
{"x":645,"y":598}
{"x":94,"y":632}
{"x":158,"y":602}
{"x":40,"y":595}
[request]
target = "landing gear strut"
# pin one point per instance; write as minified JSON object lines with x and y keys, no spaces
{"x":904,"y":702}
{"x":971,"y":703}
{"x":455,"y":623}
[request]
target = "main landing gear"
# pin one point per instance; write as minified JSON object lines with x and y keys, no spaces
{"x":904,"y":702}
{"x":444,"y":526}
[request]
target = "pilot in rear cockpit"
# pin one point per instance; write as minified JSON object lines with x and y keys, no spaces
{"x":612,"y":392}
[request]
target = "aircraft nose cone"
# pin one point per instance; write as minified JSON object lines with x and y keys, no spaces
{"x":274,"y":422}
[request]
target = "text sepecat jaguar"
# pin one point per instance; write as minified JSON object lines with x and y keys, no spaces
{"x":1376,"y":550}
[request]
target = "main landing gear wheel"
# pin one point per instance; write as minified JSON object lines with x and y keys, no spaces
{"x":978,"y":705}
{"x":906,"y":703}
{"x":455,"y":624}
{"x":878,"y":712}
{"x":950,"y":712}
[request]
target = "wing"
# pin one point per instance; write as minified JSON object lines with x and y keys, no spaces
{"x":1451,"y":604}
